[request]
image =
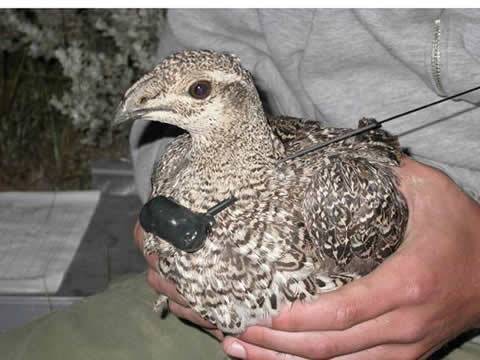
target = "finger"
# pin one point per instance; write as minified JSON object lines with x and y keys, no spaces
{"x":419,"y":351}
{"x":152,"y":261}
{"x":216,"y":334}
{"x":165,"y":287}
{"x":241,"y":350}
{"x":394,"y":327}
{"x":381,"y":291}
{"x":391,"y":352}
{"x":138,"y":235}
{"x":190,"y":315}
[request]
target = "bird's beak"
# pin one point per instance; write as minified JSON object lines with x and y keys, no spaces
{"x":128,"y":109}
{"x":132,"y":106}
{"x":122,"y":114}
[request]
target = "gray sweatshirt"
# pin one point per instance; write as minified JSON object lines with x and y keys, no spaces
{"x":337,"y":66}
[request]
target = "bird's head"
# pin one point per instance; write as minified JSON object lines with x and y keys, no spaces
{"x":196,"y":90}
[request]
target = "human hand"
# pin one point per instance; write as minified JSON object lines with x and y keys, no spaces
{"x":176,"y":302}
{"x":424,"y":295}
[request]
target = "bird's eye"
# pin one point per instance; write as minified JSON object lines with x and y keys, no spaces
{"x":143,"y":100}
{"x":200,"y":89}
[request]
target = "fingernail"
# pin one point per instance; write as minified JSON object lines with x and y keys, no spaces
{"x":237,"y":350}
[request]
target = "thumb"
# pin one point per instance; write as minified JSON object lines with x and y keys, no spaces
{"x":377,"y":293}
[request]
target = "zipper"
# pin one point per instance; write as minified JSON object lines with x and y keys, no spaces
{"x":435,"y":61}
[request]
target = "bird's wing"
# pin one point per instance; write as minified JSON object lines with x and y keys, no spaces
{"x":354,"y":210}
{"x":289,"y":128}
{"x":297,"y":134}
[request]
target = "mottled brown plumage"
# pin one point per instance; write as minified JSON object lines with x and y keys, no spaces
{"x":299,"y":228}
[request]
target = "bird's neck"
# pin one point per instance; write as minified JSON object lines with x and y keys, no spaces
{"x":247,"y":147}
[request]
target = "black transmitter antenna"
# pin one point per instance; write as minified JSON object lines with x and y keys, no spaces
{"x":375,"y":125}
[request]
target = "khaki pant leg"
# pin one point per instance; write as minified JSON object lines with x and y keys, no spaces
{"x":468,"y":351}
{"x":117,"y":324}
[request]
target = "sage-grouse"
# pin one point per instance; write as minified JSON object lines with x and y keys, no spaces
{"x":298,"y":228}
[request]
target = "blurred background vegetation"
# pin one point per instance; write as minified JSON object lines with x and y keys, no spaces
{"x":40,"y":148}
{"x":62,"y":74}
